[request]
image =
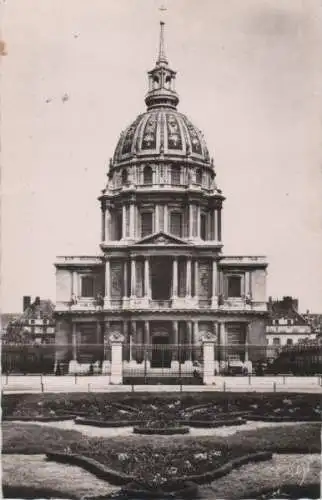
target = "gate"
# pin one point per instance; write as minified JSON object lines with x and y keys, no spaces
{"x":162,"y":364}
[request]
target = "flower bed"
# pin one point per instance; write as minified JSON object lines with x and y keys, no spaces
{"x":213,"y":423}
{"x":107,"y":423}
{"x":40,"y":418}
{"x":163,"y":431}
{"x":195,"y":406}
{"x":158,"y":484}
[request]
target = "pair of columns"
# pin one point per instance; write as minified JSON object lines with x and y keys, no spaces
{"x":175,"y":280}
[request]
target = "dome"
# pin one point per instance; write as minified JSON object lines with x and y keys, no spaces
{"x":164,"y":132}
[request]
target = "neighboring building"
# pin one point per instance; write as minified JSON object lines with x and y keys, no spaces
{"x":315,"y":321}
{"x":36,"y":324}
{"x":286,"y":326}
{"x":303,"y":358}
{"x":161,"y":280}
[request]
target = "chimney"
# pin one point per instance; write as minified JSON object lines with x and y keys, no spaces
{"x":26,"y":301}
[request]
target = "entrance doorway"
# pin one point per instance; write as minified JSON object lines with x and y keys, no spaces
{"x":161,"y":354}
{"x":161,"y":278}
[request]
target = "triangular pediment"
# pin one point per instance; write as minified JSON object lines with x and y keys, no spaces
{"x":161,"y":238}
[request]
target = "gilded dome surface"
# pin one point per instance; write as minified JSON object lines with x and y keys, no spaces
{"x":161,"y":131}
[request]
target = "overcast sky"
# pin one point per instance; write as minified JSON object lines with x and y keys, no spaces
{"x":249,"y":76}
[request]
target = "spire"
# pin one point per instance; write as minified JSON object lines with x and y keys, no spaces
{"x":162,"y":57}
{"x":161,"y":91}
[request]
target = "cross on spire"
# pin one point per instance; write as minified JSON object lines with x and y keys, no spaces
{"x":162,"y":57}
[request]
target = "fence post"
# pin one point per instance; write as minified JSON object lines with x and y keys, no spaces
{"x":249,"y":380}
{"x":75,"y":378}
{"x":274,"y":386}
{"x":41,"y":383}
{"x":89,"y":387}
{"x":284,"y":378}
{"x":224,"y":386}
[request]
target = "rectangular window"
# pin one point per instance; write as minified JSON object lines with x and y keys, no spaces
{"x":119,"y":225}
{"x":234,"y":286}
{"x":146,"y":223}
{"x":289,"y":341}
{"x":203,"y":227}
{"x":175,"y":175}
{"x":176,"y":224}
{"x":87,"y":286}
{"x":276,"y":341}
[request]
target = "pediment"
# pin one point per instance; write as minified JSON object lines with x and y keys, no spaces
{"x":161,"y":238}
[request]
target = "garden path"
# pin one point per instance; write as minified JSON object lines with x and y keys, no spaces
{"x":92,"y":431}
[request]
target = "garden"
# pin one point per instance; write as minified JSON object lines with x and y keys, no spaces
{"x":158,"y":464}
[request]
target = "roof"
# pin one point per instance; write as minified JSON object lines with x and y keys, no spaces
{"x":45,"y":309}
{"x":286,"y":308}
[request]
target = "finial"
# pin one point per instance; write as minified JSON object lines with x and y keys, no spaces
{"x":162,"y":57}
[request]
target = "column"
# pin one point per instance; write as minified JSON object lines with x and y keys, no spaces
{"x":107,"y":283}
{"x":157,"y":219}
{"x":246,"y":343}
{"x":103,"y":228}
{"x":175,"y":332}
{"x":198,"y":221}
{"x":214,"y":283}
{"x":125,"y":279}
{"x":214,"y":224}
{"x":189,"y":339}
{"x":166,"y":219}
{"x":133,"y":341}
{"x":146,"y":333}
{"x":190,"y":221}
{"x":196,"y":279}
{"x":123,"y":221}
{"x":147,"y":293}
{"x":74,"y":283}
{"x":188,"y":278}
{"x":222,"y":344}
{"x":175,"y":278}
{"x":98,"y":333}
{"x":74,"y":341}
{"x":107,"y":224}
{"x":133,"y":278}
{"x":132,"y":221}
{"x":106,"y":335}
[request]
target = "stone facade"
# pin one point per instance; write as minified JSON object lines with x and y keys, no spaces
{"x":161,"y":278}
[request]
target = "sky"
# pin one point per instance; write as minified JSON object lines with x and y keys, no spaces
{"x":249,"y":76}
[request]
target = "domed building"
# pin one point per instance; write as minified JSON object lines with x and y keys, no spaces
{"x":161,"y":299}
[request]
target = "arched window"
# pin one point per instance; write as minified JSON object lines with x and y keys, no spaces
{"x":175,"y":175}
{"x":147,"y":175}
{"x":199,"y":176}
{"x":176,"y":224}
{"x":124,"y":176}
{"x":289,"y":342}
{"x":276,"y":341}
{"x":155,"y":82}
